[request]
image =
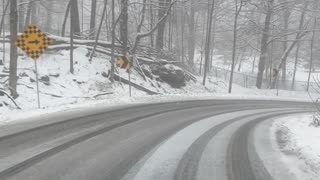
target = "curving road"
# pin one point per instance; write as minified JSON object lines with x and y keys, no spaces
{"x":191,"y":140}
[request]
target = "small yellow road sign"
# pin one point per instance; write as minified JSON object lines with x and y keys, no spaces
{"x":125,"y":62}
{"x":33,"y":42}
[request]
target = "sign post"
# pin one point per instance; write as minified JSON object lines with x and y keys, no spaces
{"x":34,"y":43}
{"x":129,"y":83}
{"x":37,"y":81}
{"x":126,"y":62}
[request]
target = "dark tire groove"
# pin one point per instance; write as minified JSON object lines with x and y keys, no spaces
{"x":188,"y":166}
{"x":239,"y":166}
{"x":46,"y":154}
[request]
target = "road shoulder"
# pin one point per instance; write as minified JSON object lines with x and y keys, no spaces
{"x":297,"y":143}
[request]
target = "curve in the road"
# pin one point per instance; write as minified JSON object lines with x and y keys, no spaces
{"x":145,"y":119}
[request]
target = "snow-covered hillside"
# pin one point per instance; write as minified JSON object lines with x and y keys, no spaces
{"x":89,"y":82}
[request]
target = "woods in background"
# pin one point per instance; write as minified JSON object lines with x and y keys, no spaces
{"x":190,"y":32}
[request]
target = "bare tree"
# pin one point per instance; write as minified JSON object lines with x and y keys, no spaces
{"x":113,"y":36}
{"x":124,"y":25}
{"x":99,"y":29}
{"x":66,"y":15}
{"x":208,"y":39}
{"x":163,"y":4}
{"x":192,"y":35}
{"x":93,"y":19}
{"x":286,"y":16}
{"x":311,"y":52}
{"x":141,"y":35}
{"x":264,"y":43}
{"x":75,"y":17}
{"x":5,"y":8}
{"x":303,"y":13}
{"x":13,"y":78}
{"x":238,"y":8}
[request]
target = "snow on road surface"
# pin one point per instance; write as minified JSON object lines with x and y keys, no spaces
{"x":14,"y":116}
{"x":299,"y":143}
{"x":162,"y":164}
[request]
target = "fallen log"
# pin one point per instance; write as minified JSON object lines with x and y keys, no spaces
{"x":2,"y":93}
{"x":123,"y":80}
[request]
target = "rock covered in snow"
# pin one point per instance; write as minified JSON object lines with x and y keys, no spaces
{"x":171,"y":74}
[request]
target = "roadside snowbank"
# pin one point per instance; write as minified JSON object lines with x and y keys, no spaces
{"x":299,"y":143}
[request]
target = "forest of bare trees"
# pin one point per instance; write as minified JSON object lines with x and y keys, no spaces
{"x":189,"y":32}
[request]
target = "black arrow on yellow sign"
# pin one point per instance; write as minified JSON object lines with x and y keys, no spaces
{"x":36,"y":42}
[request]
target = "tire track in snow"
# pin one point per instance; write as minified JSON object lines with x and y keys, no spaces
{"x":163,"y":164}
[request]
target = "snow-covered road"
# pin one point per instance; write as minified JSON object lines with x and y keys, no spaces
{"x":220,"y":139}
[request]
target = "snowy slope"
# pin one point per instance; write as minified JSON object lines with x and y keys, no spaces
{"x":89,"y":83}
{"x":299,"y":143}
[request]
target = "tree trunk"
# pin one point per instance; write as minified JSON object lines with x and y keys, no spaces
{"x":124,"y":25}
{"x":113,"y":42}
{"x":72,"y":21}
{"x":161,"y":28}
{"x":170,"y":32}
{"x":234,"y":48}
{"x":311,"y":51}
{"x":5,"y":8}
{"x":13,"y":78}
{"x":28,"y":15}
{"x":286,"y":16}
{"x":208,"y":39}
{"x":285,"y":56}
{"x":66,"y":15}
{"x":34,"y":12}
{"x":182,"y":35}
{"x":48,"y":26}
{"x":75,"y":18}
{"x":264,"y":44}
{"x":192,"y":35}
{"x":21,"y":16}
{"x":139,"y":36}
{"x":151,"y":26}
{"x":93,"y":19}
{"x":298,"y":45}
{"x":99,"y":29}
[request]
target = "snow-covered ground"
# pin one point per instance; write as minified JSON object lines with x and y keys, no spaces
{"x":246,"y":67}
{"x":299,"y":143}
{"x":88,"y":86}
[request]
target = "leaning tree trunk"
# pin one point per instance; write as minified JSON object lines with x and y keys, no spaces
{"x":99,"y":29}
{"x":285,"y":56}
{"x":66,"y":15}
{"x":298,"y":46}
{"x":13,"y":78}
{"x":311,"y":52}
{"x":264,"y":44}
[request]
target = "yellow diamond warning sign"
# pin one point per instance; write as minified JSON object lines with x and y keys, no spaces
{"x":33,"y":42}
